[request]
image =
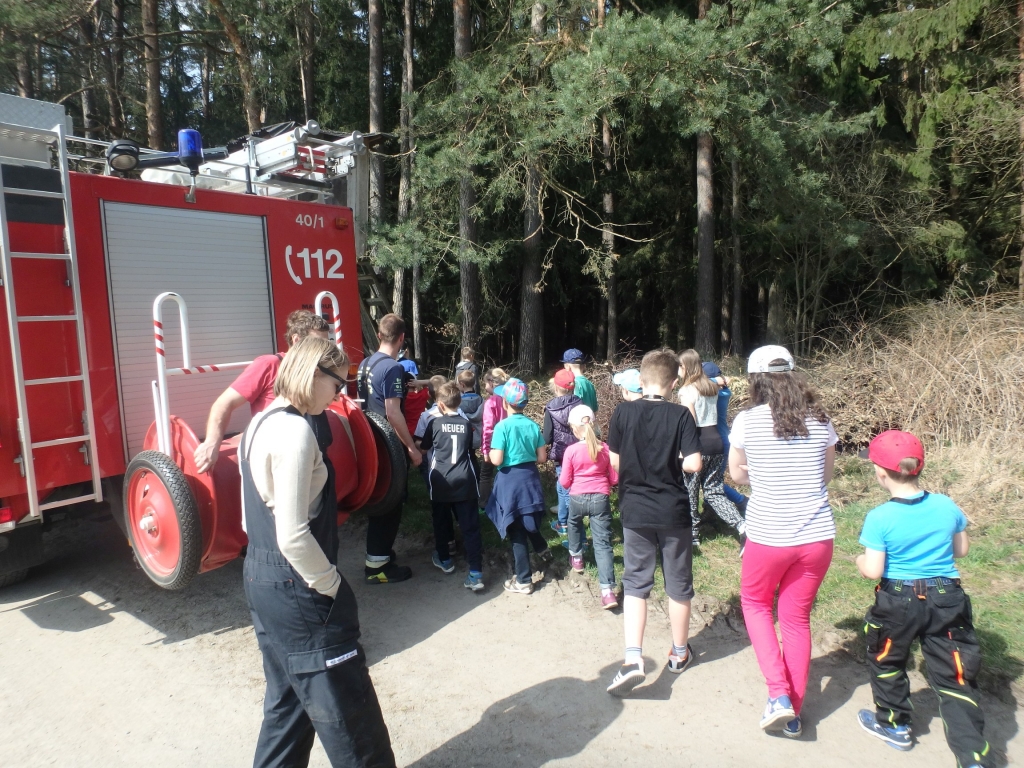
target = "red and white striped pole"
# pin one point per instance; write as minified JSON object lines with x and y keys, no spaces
{"x":335,"y":314}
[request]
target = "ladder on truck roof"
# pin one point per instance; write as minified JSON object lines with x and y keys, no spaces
{"x":58,"y":191}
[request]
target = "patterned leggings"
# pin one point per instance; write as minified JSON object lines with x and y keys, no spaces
{"x":710,"y":479}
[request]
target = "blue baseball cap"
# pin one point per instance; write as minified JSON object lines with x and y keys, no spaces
{"x":572,"y":356}
{"x":514,"y":392}
{"x":409,"y":366}
{"x":629,"y":379}
{"x":711,"y":370}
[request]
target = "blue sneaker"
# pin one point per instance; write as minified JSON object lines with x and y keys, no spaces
{"x":586,"y":544}
{"x":896,"y":736}
{"x":475,"y":581}
{"x":558,"y":528}
{"x":794,"y":729}
{"x":777,"y":711}
{"x":445,"y":565}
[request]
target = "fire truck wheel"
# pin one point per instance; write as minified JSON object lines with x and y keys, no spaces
{"x":392,"y":471}
{"x":15,"y":577}
{"x":162,"y":519}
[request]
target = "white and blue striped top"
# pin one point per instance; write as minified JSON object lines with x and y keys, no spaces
{"x":788,"y":501}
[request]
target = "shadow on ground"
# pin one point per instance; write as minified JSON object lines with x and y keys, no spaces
{"x":552,"y":720}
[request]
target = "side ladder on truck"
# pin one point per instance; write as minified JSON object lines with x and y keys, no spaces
{"x":55,"y":186}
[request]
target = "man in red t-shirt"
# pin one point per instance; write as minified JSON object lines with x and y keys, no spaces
{"x":255,"y":386}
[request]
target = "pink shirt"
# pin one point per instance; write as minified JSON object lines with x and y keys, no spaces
{"x":581,"y":475}
{"x":256,"y":382}
{"x":494,"y":411}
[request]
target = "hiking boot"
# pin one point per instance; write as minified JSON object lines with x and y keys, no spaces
{"x":576,"y":561}
{"x":677,"y":665}
{"x":387,"y":574}
{"x":627,"y":678}
{"x":896,"y":736}
{"x":513,"y":585}
{"x":474,"y":581}
{"x":609,"y":601}
{"x":448,"y":566}
{"x":794,"y":729}
{"x":546,"y":555}
{"x":777,"y":711}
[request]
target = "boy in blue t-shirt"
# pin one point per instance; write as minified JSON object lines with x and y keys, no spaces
{"x":911,"y":542}
{"x":517,"y":501}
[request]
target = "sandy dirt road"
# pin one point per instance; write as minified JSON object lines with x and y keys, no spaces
{"x":100,"y":668}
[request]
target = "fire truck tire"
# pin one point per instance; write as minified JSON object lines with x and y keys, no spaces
{"x":162,"y":519}
{"x":15,"y":577}
{"x":392,"y":470}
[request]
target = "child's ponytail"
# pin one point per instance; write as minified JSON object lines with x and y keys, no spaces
{"x":590,"y":437}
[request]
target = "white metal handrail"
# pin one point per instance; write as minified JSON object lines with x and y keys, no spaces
{"x":160,"y":397}
{"x":335,"y":314}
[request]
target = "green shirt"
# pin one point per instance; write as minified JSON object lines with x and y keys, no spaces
{"x":519,"y":437}
{"x":585,"y":391}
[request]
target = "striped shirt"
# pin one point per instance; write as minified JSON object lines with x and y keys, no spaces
{"x":788,"y":501}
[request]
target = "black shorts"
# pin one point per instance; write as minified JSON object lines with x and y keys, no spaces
{"x":640,"y":548}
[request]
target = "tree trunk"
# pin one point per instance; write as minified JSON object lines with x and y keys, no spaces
{"x":375,"y":32}
{"x":531,"y":306}
{"x":419,"y":345}
{"x":205,"y":75}
{"x":26,"y":81}
{"x":405,"y":125}
{"x":725,"y":316}
{"x":90,"y":126}
{"x":738,"y":324}
{"x":469,"y":272}
{"x":608,"y":242}
{"x":113,"y":67}
{"x":305,"y":35}
{"x":154,"y":99}
{"x":706,"y":315}
{"x":249,"y":98}
{"x":776,"y":333}
{"x":1020,"y":86}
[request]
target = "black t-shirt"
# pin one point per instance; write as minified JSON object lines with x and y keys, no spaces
{"x":380,"y":378}
{"x":451,"y":475}
{"x":649,"y":436}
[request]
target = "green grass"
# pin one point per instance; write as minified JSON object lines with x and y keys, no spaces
{"x":993,"y":571}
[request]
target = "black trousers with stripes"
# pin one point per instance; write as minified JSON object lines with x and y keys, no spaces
{"x":940,"y":617}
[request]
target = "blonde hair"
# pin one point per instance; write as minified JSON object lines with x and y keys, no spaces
{"x":590,"y":437}
{"x":496,"y":376}
{"x":659,"y":367}
{"x":693,"y":373}
{"x":909,"y":470}
{"x":466,"y":379}
{"x":449,"y":396}
{"x":298,"y":369}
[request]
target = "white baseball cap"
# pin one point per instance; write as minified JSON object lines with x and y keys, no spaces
{"x":580,"y":415}
{"x":761,"y":359}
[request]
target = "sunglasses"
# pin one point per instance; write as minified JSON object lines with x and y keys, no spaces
{"x":336,"y":377}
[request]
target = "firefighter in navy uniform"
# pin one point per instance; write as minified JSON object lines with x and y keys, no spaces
{"x":303,"y":611}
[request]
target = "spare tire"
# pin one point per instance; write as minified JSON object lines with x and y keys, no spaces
{"x":392,"y":469}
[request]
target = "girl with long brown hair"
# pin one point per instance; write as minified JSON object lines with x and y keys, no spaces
{"x":700,"y":395}
{"x":783,"y":445}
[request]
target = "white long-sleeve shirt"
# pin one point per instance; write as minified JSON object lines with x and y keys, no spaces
{"x":289,"y":473}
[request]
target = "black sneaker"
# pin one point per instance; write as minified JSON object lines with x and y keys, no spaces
{"x":387,"y":574}
{"x":626,"y":679}
{"x":677,"y":665}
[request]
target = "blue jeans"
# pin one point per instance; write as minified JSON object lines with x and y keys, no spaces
{"x":563,"y":497}
{"x":731,"y":493}
{"x":599,"y":509}
{"x":521,"y":540}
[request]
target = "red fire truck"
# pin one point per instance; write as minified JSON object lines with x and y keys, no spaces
{"x":103,"y":393}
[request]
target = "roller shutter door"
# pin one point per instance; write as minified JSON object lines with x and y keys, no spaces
{"x":218,"y":263}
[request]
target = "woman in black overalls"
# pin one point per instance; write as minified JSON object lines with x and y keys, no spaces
{"x":317,"y":681}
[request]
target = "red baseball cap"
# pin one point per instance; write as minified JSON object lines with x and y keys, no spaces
{"x":565,"y":378}
{"x":888,"y":449}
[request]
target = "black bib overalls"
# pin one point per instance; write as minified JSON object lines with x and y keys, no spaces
{"x":316,"y":673}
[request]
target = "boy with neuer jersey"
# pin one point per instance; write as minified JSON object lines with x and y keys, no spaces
{"x":652,"y":442}
{"x":910,"y":543}
{"x":452,"y":481}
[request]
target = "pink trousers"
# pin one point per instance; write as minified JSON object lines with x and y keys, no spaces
{"x":796,"y":572}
